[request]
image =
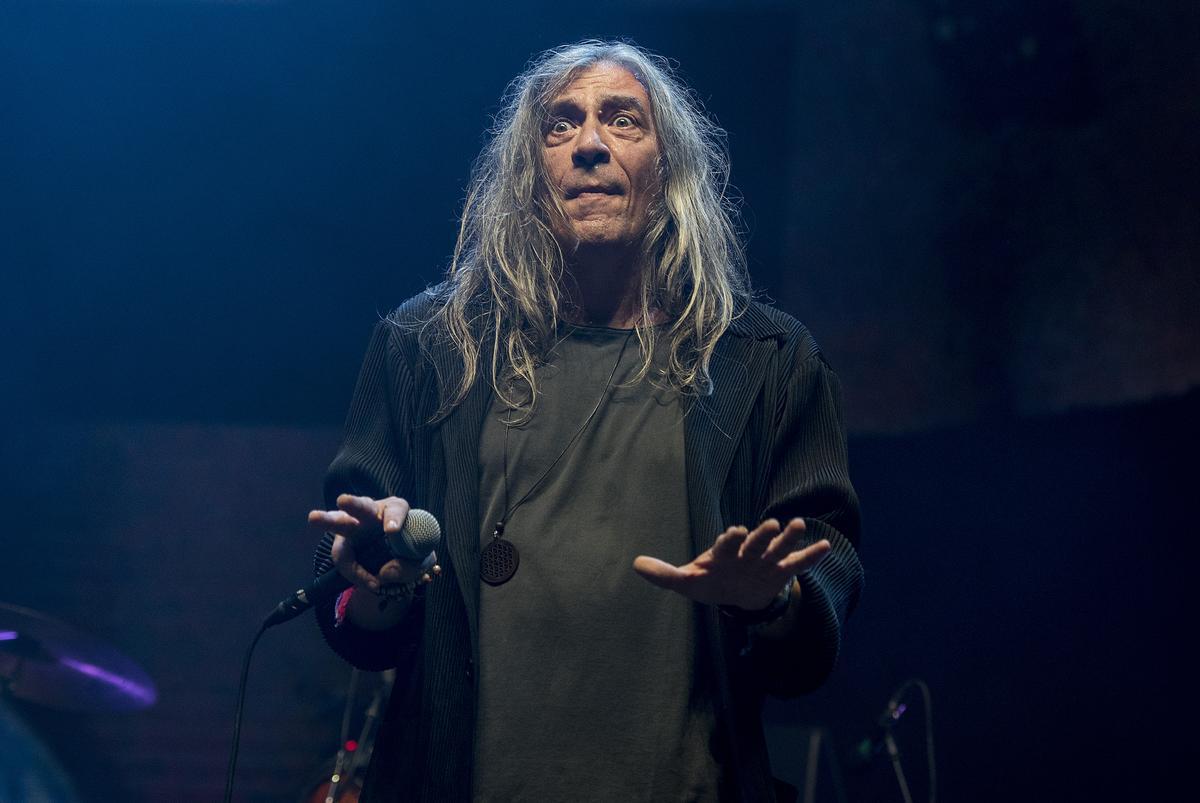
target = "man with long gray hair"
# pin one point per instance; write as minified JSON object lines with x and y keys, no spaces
{"x":640,"y":472}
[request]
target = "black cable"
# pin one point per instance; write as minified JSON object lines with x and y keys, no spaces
{"x":237,"y":717}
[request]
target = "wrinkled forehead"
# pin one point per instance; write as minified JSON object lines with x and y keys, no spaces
{"x":563,"y":84}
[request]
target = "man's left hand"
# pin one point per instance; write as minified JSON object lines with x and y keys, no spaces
{"x":746,"y":568}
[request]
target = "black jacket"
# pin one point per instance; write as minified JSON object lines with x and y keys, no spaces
{"x":768,"y":442}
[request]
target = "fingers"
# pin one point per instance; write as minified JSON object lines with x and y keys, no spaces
{"x":729,"y":542}
{"x":786,"y":542}
{"x":806,"y":558}
{"x":389,"y":512}
{"x":392,"y":572}
{"x":757,"y":542}
{"x":659,"y":572}
{"x":393,"y":512}
{"x":769,"y":543}
{"x":354,"y":511}
{"x":361,"y":507}
{"x":343,"y":558}
{"x":401,"y":571}
{"x":336,"y":521}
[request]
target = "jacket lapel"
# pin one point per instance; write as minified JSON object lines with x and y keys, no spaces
{"x":712,"y":432}
{"x":714,"y":424}
{"x":460,"y":441}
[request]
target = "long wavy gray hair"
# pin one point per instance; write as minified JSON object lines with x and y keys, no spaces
{"x":505,"y":281}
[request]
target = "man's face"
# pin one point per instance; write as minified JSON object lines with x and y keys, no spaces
{"x":602,"y":154}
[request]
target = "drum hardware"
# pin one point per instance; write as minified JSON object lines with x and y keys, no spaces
{"x":51,"y":663}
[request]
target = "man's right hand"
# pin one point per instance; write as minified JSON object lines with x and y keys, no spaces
{"x":359,"y":519}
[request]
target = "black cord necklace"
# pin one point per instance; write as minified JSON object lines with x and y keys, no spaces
{"x":499,"y":560}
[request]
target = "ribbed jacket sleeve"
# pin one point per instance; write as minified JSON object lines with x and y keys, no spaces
{"x":809,"y":478}
{"x":373,"y":461}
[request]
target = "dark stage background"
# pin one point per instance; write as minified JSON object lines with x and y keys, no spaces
{"x":985,"y":211}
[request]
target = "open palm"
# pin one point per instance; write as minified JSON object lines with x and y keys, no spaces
{"x":746,"y":568}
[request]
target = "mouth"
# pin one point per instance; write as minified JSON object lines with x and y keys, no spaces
{"x":592,"y":191}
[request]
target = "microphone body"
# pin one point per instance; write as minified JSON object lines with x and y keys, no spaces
{"x":415,"y":542}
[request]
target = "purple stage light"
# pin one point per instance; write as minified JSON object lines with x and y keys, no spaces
{"x":143,"y":694}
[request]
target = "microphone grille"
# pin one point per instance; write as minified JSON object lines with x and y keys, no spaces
{"x":417,"y":538}
{"x":422,"y":528}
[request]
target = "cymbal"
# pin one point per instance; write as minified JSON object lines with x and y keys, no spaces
{"x":51,"y":663}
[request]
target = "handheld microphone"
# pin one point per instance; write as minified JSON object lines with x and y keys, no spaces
{"x":415,"y":542}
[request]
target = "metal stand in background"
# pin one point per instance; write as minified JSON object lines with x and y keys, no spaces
{"x":820,"y":747}
{"x":344,"y":782}
{"x":894,"y":754}
{"x":883,"y":740}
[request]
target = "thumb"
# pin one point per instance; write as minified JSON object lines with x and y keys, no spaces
{"x":658,"y":572}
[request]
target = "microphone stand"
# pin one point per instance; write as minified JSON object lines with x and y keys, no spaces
{"x":348,"y":762}
{"x":889,"y":743}
{"x":335,"y":779}
{"x":885,"y":739}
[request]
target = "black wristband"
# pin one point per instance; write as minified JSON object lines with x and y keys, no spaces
{"x":768,"y":614}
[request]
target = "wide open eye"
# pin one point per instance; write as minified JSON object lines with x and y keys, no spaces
{"x":560,"y":126}
{"x":623,"y":121}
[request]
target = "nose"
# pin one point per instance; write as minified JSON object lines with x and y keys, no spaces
{"x":590,"y":149}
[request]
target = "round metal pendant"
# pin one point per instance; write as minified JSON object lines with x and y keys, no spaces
{"x":498,"y":562}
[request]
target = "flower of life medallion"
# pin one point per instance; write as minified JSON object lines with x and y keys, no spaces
{"x":499,"y":559}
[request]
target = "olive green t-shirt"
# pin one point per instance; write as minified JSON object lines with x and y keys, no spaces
{"x":588,"y":681}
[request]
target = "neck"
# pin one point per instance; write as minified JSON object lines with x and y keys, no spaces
{"x":604,"y":289}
